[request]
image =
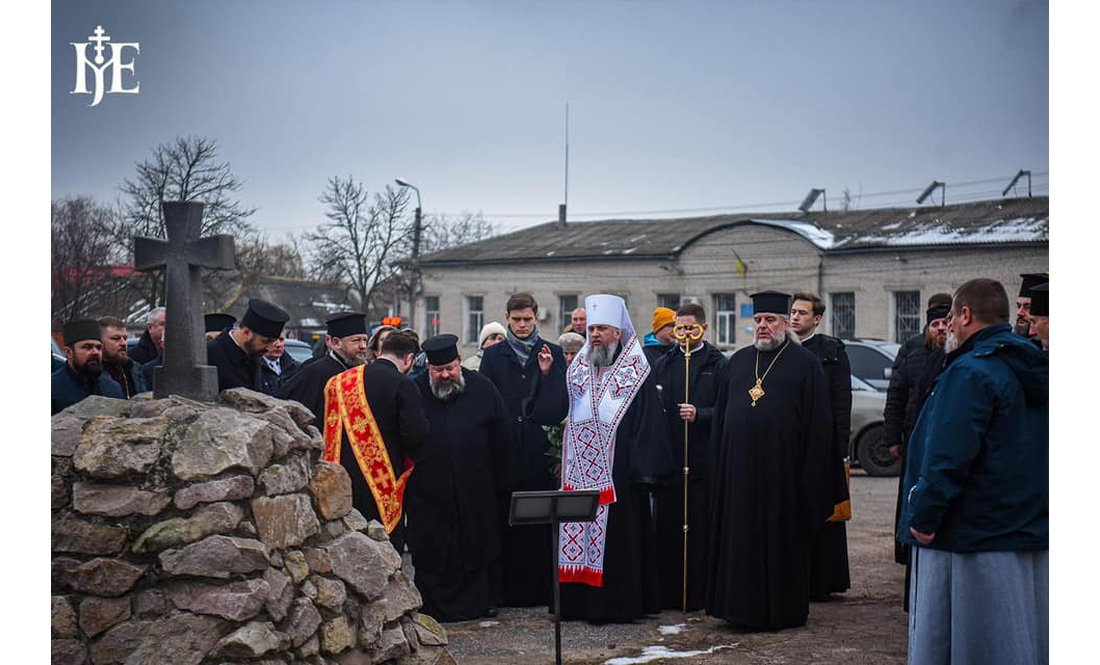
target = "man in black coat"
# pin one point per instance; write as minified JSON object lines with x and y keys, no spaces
{"x":152,"y":340}
{"x":534,"y":398}
{"x":276,"y":366}
{"x":347,"y":348}
{"x":236,"y":351}
{"x":117,"y":362}
{"x":706,"y":365}
{"x":829,"y":549}
{"x":378,"y":470}
{"x":82,"y":374}
{"x":918,"y":362}
{"x":453,"y":533}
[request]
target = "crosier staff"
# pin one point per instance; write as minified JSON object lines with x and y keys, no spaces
{"x":688,"y":335}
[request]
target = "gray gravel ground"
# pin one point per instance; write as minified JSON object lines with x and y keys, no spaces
{"x":864,"y":626}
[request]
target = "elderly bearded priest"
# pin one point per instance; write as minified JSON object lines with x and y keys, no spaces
{"x":615,"y":441}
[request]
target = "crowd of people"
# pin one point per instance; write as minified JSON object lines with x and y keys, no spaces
{"x":722,"y":482}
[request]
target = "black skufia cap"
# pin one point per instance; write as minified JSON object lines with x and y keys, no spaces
{"x":441,"y":349}
{"x":1040,"y":300}
{"x":81,"y":329}
{"x":771,"y":302}
{"x":264,"y":318}
{"x":345,"y":324}
{"x":218,"y":322}
{"x":1031,"y":280}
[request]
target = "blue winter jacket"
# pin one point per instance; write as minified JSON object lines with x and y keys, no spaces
{"x":977,"y":475}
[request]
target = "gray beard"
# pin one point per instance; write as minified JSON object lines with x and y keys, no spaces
{"x":600,"y":356}
{"x":449,"y":390}
{"x":951,"y":344}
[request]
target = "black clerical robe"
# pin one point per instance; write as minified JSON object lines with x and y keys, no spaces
{"x":307,"y":384}
{"x":642,"y":462}
{"x":774,"y":475}
{"x":236,"y":369}
{"x":707,"y":364}
{"x":450,"y":501}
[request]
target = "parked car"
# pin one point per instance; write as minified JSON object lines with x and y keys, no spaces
{"x":57,"y":356}
{"x":872,"y":359}
{"x":299,"y":350}
{"x":865,"y":447}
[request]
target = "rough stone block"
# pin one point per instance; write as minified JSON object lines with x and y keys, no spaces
{"x":317,"y":560}
{"x":119,"y":642}
{"x":150,"y":604}
{"x":254,"y":402}
{"x":284,"y":521}
{"x":402,"y":597}
{"x":280,"y":593}
{"x":216,"y":556}
{"x":331,"y":489}
{"x":355,"y":521}
{"x":302,"y":621}
{"x":393,"y":645}
{"x":289,"y":476}
{"x":252,"y":640}
{"x":99,"y":614}
{"x":337,"y":635}
{"x":62,"y":617}
{"x":60,"y":569}
{"x":72,"y":534}
{"x":330,"y":593}
{"x":296,"y":565}
{"x":117,"y":500}
{"x":237,"y":601}
{"x":376,"y":531}
{"x":428,"y":630}
{"x":311,"y":647}
{"x":114,"y":448}
{"x":174,"y":407}
{"x":67,"y":652}
{"x":224,"y":489}
{"x":289,"y":434}
{"x":371,"y":622}
{"x":59,"y":492}
{"x":221,"y":439}
{"x":180,"y":639}
{"x":105,"y":577}
{"x":210,"y":519}
{"x":362,"y":563}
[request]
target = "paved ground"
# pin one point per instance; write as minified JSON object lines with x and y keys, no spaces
{"x":864,"y":626}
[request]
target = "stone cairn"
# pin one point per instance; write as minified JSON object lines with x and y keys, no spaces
{"x":197,"y":533}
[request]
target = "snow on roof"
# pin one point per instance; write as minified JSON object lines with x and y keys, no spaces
{"x":818,"y":236}
{"x":1021,"y":229}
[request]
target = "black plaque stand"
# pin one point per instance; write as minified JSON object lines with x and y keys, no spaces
{"x":554,"y":507}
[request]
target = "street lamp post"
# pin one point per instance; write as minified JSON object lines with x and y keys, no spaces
{"x":415,"y":290}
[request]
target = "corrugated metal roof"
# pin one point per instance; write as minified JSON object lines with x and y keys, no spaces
{"x":1020,"y":220}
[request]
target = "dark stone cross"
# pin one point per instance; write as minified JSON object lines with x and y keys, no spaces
{"x":185,"y":371}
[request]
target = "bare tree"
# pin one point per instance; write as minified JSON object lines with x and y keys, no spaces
{"x":186,"y":169}
{"x":443,"y":232}
{"x":364,"y":237}
{"x":81,"y":248}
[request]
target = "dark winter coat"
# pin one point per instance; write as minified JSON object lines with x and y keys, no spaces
{"x":68,"y":387}
{"x":132,"y":382}
{"x":270,"y":382}
{"x":977,"y":475}
{"x":144,"y":350}
{"x":914,"y":369}
{"x":838,"y":372}
{"x":236,"y":369}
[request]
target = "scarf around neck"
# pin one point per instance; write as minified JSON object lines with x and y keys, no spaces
{"x":522,"y":347}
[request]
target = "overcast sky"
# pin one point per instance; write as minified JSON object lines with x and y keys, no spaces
{"x":674,"y":108}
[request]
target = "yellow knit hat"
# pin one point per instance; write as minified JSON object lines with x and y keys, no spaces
{"x":663,"y":316}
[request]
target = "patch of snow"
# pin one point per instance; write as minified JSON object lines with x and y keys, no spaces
{"x":309,"y":322}
{"x":551,"y":252}
{"x":650,"y":654}
{"x":1020,"y":229}
{"x":608,"y":251}
{"x":677,"y":248}
{"x":637,"y":238}
{"x":818,"y":236}
{"x":629,"y":251}
{"x":912,"y":214}
{"x":891,"y":227}
{"x":672,"y":630}
{"x":488,"y":624}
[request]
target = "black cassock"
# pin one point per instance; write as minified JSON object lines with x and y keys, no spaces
{"x":773,"y":486}
{"x":236,"y":369}
{"x":707,"y":365}
{"x":307,"y":385}
{"x":642,"y":462}
{"x":452,"y":529}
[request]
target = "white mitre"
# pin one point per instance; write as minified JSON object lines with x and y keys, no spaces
{"x":606,"y":309}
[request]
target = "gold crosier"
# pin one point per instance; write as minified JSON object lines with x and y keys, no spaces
{"x":757,"y":391}
{"x":689,"y":335}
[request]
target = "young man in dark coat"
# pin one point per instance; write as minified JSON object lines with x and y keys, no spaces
{"x":82,"y":374}
{"x":347,"y":348}
{"x":276,"y":366}
{"x":829,"y":549}
{"x":377,"y":441}
{"x":534,"y":398}
{"x":152,"y":340}
{"x":775,"y":478}
{"x":453,"y":533}
{"x":706,"y":366}
{"x":236,"y":352}
{"x":615,"y":441}
{"x":117,"y":362}
{"x":918,"y":361}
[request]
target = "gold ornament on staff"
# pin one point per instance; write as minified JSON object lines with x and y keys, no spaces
{"x":688,"y":335}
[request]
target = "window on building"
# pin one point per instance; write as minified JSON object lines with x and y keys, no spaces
{"x":843,"y":308}
{"x":475,"y":317}
{"x":669,"y":300}
{"x":431,"y":315}
{"x":566,"y":305}
{"x":725,"y":319}
{"x":906,"y":315}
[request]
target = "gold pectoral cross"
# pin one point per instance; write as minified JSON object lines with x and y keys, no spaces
{"x":756,"y":392}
